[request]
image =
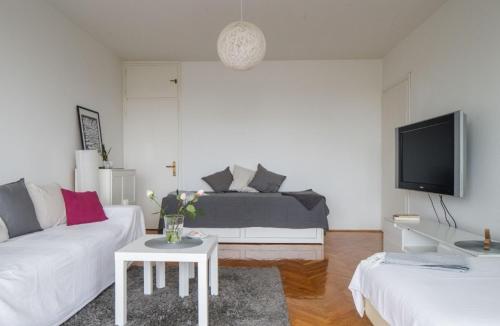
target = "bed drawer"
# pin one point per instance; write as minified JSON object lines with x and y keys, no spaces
{"x":264,"y":235}
{"x":280,"y":233}
{"x":221,"y":233}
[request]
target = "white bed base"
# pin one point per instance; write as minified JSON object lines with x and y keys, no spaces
{"x":373,"y":315}
{"x":264,"y":235}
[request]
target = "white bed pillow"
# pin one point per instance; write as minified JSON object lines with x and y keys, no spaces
{"x":49,"y":204}
{"x":241,"y":179}
{"x":4,"y":233}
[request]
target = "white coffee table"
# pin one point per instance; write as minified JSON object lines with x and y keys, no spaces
{"x":204,"y":255}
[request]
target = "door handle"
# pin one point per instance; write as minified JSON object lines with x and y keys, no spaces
{"x":173,"y":167}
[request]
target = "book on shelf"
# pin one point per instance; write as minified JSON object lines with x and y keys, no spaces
{"x":406,"y":218}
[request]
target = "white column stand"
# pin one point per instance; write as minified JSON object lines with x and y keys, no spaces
{"x":148,"y":278}
{"x":120,"y":292}
{"x":203,"y":293}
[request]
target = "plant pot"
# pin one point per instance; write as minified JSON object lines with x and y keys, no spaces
{"x":108,"y":164}
{"x":173,"y":227}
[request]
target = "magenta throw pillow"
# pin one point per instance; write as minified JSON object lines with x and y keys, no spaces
{"x":83,"y":207}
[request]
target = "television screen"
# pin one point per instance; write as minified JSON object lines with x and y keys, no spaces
{"x":430,"y":155}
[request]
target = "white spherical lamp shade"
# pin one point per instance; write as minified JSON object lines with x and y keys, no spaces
{"x":241,"y":45}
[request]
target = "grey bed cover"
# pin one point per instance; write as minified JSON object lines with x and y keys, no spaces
{"x":241,"y":210}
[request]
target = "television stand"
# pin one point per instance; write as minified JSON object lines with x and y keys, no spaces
{"x":429,"y":236}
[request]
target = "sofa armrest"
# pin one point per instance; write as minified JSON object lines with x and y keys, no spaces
{"x":131,"y":211}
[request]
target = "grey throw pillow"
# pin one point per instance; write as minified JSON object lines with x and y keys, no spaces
{"x":17,"y":210}
{"x":266,"y":181}
{"x":219,"y":181}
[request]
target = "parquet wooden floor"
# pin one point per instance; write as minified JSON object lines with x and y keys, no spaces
{"x":316,"y":291}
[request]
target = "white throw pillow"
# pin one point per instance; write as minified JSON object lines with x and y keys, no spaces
{"x":241,"y":179}
{"x":49,"y":204}
{"x":4,"y":233}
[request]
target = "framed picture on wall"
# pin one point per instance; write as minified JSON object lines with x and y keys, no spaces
{"x":90,"y":128}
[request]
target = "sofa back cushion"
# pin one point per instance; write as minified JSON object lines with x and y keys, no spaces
{"x":4,"y":233}
{"x":241,"y":179}
{"x":49,"y":204}
{"x":17,"y":210}
{"x":82,"y":207}
{"x":266,"y":181}
{"x":219,"y":181}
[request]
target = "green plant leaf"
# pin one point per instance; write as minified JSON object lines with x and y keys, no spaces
{"x":191,"y":209}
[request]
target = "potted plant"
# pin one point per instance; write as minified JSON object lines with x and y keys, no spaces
{"x":174,"y":223}
{"x":105,"y":157}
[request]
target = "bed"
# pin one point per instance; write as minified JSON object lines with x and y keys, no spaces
{"x":404,"y":295}
{"x":237,"y":217}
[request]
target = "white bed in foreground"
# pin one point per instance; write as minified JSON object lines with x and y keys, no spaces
{"x":47,"y":276}
{"x":409,"y":296}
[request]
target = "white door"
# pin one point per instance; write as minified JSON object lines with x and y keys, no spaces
{"x":395,"y":111}
{"x":151,"y":131}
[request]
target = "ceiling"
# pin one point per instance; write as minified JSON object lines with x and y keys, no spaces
{"x":187,"y":30}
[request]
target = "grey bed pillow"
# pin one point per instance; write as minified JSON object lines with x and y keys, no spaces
{"x":220,"y":181}
{"x":266,"y":181}
{"x":17,"y":210}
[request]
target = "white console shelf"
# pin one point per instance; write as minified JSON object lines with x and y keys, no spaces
{"x":427,"y":236}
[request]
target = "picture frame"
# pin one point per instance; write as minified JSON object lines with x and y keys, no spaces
{"x":90,"y":128}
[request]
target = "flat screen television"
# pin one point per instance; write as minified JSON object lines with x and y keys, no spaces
{"x":430,"y":155}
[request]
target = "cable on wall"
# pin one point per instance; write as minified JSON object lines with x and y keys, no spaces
{"x":444,"y":211}
{"x":445,"y":208}
{"x":434,"y":208}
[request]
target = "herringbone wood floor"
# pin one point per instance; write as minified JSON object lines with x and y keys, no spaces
{"x":316,"y":291}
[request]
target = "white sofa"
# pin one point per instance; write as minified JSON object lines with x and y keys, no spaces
{"x":48,"y":276}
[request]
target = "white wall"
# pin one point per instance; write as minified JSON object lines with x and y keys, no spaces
{"x":317,"y":122}
{"x":454,"y":58}
{"x":47,"y":67}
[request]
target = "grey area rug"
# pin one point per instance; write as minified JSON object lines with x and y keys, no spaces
{"x":247,"y":296}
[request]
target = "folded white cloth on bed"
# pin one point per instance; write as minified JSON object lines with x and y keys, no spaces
{"x":356,"y":281}
{"x":428,"y":260}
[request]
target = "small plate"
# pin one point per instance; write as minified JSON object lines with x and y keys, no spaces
{"x":196,"y":235}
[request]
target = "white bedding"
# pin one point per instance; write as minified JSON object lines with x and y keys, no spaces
{"x":47,"y":276}
{"x":410,"y":296}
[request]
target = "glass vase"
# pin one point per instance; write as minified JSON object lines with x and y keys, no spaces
{"x":173,"y":227}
